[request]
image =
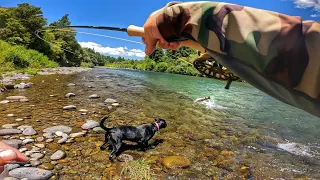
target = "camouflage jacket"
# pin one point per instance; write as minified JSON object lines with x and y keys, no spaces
{"x":276,"y":53}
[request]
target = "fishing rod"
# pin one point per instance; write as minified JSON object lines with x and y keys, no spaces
{"x":131,"y":31}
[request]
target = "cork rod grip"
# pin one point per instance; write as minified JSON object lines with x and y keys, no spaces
{"x":139,"y":31}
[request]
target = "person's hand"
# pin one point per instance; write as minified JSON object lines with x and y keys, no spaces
{"x":153,"y":36}
{"x":9,"y":154}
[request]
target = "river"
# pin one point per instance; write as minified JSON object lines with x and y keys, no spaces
{"x":240,"y":128}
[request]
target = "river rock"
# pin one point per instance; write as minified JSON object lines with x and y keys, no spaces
{"x":58,"y":155}
{"x":23,"y":127}
{"x":9,"y":126}
{"x":94,"y":96}
{"x":48,"y":135}
{"x":31,"y":173}
{"x":49,"y":140}
{"x":73,"y":135}
{"x":64,"y":138}
{"x":10,"y":115}
{"x":110,"y":101}
{"x":125,"y":157}
{"x":70,"y":95}
{"x":90,"y":124}
{"x":4,"y":102}
{"x":99,"y":130}
{"x":29,"y":131}
{"x":19,"y":119}
{"x":40,"y":145}
{"x":53,"y":129}
{"x":13,"y":143}
{"x":175,"y":162}
{"x":70,"y":107}
{"x":21,"y":86}
{"x":23,"y":150}
{"x":27,"y":141}
{"x":40,"y":139}
{"x":47,"y":166}
{"x":4,"y":132}
{"x":71,"y":84}
{"x":83,"y":110}
{"x":24,"y":100}
{"x":37,"y":156}
{"x":35,"y":163}
{"x":15,"y":97}
{"x":9,"y":167}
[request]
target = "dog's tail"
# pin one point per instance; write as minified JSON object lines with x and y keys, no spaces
{"x":102,"y":124}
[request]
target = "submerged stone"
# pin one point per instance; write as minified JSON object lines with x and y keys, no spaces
{"x":175,"y":162}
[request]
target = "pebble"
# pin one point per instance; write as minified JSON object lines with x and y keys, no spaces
{"x":4,"y":132}
{"x":9,"y":167}
{"x":27,"y":141}
{"x":37,"y":156}
{"x":10,"y":115}
{"x":83,"y":110}
{"x":4,"y":102}
{"x":29,"y":131}
{"x":15,"y":97}
{"x":40,"y":139}
{"x":54,"y":129}
{"x":9,"y":126}
{"x":48,"y":135}
{"x":35,"y":163}
{"x":59,"y":133}
{"x":47,"y":166}
{"x":71,"y":84}
{"x":70,"y":95}
{"x":21,"y":86}
{"x":110,"y":101}
{"x":23,"y":150}
{"x":28,"y":153}
{"x":69,"y":107}
{"x":125,"y":157}
{"x":64,"y":138}
{"x":31,"y":173}
{"x":58,"y":155}
{"x":49,"y":140}
{"x":40,"y":145}
{"x":99,"y":130}
{"x":90,"y":124}
{"x":19,"y":119}
{"x":24,"y":100}
{"x":34,"y":148}
{"x":94,"y":96}
{"x":175,"y":162}
{"x":73,"y":135}
{"x":115,"y":104}
{"x":23,"y":127}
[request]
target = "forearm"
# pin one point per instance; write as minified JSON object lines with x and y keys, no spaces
{"x":281,"y":49}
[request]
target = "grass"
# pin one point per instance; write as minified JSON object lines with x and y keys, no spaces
{"x":137,"y":170}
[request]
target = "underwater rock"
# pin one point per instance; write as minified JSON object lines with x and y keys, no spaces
{"x":94,"y":96}
{"x":99,"y":130}
{"x":13,"y":143}
{"x":70,"y":107}
{"x":37,"y":156}
{"x":58,"y":155}
{"x":175,"y":162}
{"x":10,"y":167}
{"x":27,"y":141}
{"x":70,"y":95}
{"x":9,"y":126}
{"x":71,"y":84}
{"x":15,"y":97}
{"x":110,"y":101}
{"x":125,"y":158}
{"x":73,"y":135}
{"x":47,"y":166}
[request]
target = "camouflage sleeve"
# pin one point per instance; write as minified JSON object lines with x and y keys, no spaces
{"x":277,"y":53}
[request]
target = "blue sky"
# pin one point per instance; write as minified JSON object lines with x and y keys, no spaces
{"x":122,"y":13}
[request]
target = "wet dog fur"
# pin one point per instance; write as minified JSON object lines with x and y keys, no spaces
{"x":139,"y":134}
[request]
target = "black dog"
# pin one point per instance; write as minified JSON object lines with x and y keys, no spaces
{"x":140,"y":134}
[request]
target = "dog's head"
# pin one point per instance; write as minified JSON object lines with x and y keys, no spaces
{"x":161,"y":122}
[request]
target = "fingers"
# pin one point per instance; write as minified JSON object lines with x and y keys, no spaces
{"x":7,"y":156}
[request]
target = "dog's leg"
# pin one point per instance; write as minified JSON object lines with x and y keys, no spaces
{"x":115,"y":149}
{"x":106,"y":140}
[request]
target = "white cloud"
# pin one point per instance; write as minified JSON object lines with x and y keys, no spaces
{"x":315,"y":4}
{"x":118,"y":51}
{"x":315,"y":15}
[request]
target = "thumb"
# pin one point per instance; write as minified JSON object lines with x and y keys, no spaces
{"x":7,"y":156}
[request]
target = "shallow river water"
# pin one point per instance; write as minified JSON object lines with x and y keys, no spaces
{"x":239,"y":133}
